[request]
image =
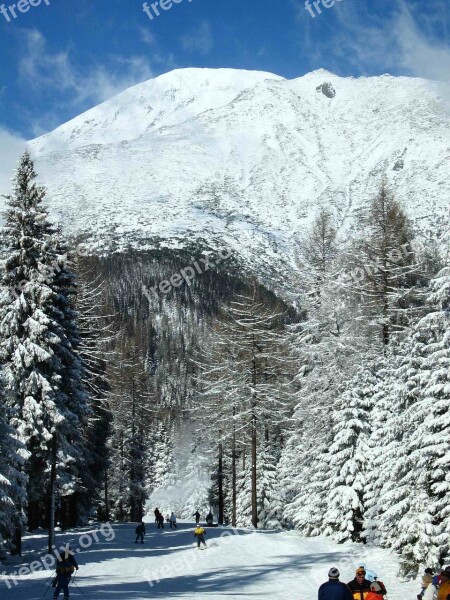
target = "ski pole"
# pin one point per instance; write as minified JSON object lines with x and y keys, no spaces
{"x":82,"y":593}
{"x":47,"y":580}
{"x":45,"y":593}
{"x":49,"y":585}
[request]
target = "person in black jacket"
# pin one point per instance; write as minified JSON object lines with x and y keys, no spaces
{"x":334,"y":589}
{"x":64,"y":569}
{"x":360,"y":586}
{"x":140,"y":532}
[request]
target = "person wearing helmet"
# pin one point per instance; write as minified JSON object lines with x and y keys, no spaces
{"x":334,"y":589}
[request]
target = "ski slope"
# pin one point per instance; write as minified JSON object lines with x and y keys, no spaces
{"x":237,"y":564}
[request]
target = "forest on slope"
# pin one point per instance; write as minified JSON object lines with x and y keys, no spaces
{"x":329,"y":414}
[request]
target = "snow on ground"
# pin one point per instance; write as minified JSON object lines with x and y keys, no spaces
{"x":237,"y":564}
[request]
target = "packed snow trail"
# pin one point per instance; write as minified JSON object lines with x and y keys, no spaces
{"x":241,"y":564}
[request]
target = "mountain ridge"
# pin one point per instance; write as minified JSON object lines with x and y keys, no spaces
{"x":246,"y":159}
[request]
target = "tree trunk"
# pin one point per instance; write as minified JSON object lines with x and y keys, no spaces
{"x":34,"y":515}
{"x":254,"y":438}
{"x":17,"y":541}
{"x":220,"y":483}
{"x":106,"y":496}
{"x":254,"y":475}
{"x":233,"y":475}
{"x":51,"y":527}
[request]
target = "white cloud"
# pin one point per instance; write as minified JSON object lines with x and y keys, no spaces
{"x":147,"y":37}
{"x":11,"y":148}
{"x":419,"y":53}
{"x":199,"y":40}
{"x":45,"y":71}
{"x":404,"y":41}
{"x":77,"y":87}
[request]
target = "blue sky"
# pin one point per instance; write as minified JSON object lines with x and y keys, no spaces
{"x":60,"y":59}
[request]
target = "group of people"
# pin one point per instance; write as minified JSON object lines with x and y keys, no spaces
{"x":367,"y":587}
{"x":359,"y":588}
{"x":364,"y":586}
{"x":159,"y":519}
{"x":209,"y":518}
{"x":435,"y":585}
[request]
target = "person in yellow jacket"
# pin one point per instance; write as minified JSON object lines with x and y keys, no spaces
{"x":444,"y":588}
{"x":360,"y":586}
{"x":200,"y":533}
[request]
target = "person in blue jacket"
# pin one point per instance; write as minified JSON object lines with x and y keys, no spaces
{"x":334,"y":589}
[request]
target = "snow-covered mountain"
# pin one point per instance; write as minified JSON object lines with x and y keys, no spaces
{"x":246,"y":158}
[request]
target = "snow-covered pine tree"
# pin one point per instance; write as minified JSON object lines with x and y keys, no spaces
{"x":269,"y":495}
{"x":248,"y":377}
{"x":387,"y":272}
{"x":326,"y":344}
{"x":304,"y":472}
{"x":220,"y":384}
{"x":385,"y":443}
{"x":131,"y":439}
{"x":72,"y":450}
{"x":95,"y":327}
{"x":424,"y":528}
{"x":38,"y":341}
{"x":160,"y":456}
{"x":243,"y":490}
{"x":12,"y":479}
{"x":347,"y":459}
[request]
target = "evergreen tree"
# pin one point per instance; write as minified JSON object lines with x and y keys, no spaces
{"x":246,"y":382}
{"x":347,"y":459}
{"x":384,"y":256}
{"x":95,"y":332}
{"x":12,"y":479}
{"x":425,"y":525}
{"x":38,"y":344}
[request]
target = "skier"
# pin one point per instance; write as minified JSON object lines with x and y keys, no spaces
{"x":64,"y":570}
{"x":173,"y":520}
{"x":200,"y":533}
{"x":197,"y":517}
{"x":209,"y":519}
{"x":360,"y":586}
{"x":156,"y":512}
{"x":140,"y":532}
{"x":334,"y":589}
{"x":160,"y":521}
{"x":444,"y":588}
{"x":427,"y":579}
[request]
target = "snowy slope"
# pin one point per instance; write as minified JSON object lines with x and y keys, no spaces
{"x":241,"y":564}
{"x":246,"y":158}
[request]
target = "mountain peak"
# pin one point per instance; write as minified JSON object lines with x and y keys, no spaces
{"x":246,"y":157}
